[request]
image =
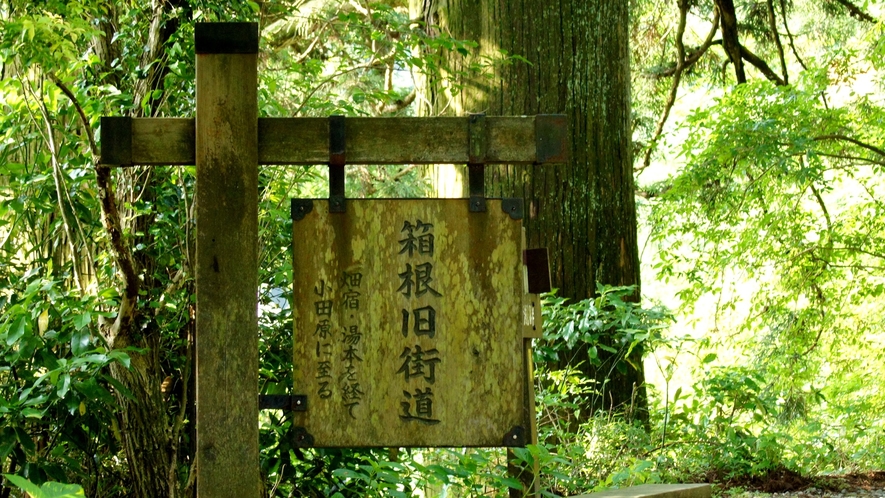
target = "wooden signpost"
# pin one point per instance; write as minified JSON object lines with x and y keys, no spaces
{"x":411,"y":315}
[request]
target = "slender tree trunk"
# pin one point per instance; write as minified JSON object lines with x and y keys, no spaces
{"x":584,"y":212}
{"x":150,"y":427}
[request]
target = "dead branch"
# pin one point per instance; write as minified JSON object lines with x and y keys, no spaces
{"x":84,"y":121}
{"x":790,"y":35}
{"x":691,"y":57}
{"x":856,"y":12}
{"x":120,"y":250}
{"x":111,"y":220}
{"x":677,"y":77}
{"x":772,"y":25}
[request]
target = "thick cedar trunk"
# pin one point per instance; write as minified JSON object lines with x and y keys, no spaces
{"x":583,"y":212}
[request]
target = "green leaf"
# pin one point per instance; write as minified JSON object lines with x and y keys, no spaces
{"x":93,"y":391}
{"x":16,"y":331}
{"x":511,"y":482}
{"x":118,"y":386}
{"x":62,"y":390}
{"x":60,"y":490}
{"x":82,"y":320}
{"x":48,"y":490}
{"x":347,"y":473}
{"x":25,"y":485}
{"x":709,"y":358}
{"x":32,"y":413}
{"x":24,"y":439}
{"x":121,"y":357}
{"x":80,"y":342}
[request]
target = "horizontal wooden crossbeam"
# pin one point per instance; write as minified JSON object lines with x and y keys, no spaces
{"x":305,"y":141}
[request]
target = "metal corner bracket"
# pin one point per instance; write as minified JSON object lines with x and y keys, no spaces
{"x":513,"y":207}
{"x":301,"y":208}
{"x":516,"y":437}
{"x":337,"y":161}
{"x":302,"y":438}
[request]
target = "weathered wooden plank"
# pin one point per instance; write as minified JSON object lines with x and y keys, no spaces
{"x":529,"y":476}
{"x":305,"y":141}
{"x":409,"y":347}
{"x":163,"y":140}
{"x":226,"y":153}
{"x":655,"y":491}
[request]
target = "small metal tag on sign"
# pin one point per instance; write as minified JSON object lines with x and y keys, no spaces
{"x":532,"y":321}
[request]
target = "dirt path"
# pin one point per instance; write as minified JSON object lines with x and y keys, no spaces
{"x":790,"y":485}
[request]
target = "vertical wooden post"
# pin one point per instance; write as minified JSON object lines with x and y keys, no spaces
{"x":227,"y":260}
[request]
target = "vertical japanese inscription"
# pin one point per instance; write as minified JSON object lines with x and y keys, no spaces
{"x":351,"y":392}
{"x":323,"y":314}
{"x":338,"y":342}
{"x":418,"y":365}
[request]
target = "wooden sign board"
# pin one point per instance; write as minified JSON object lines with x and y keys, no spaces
{"x":408,"y":324}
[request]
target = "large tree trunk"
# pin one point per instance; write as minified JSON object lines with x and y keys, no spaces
{"x":584,"y":212}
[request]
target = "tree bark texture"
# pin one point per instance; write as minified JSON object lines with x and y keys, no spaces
{"x":584,"y":212}
{"x":151,"y":424}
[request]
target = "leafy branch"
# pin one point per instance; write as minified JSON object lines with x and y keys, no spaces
{"x":112,"y":221}
{"x":845,"y":138}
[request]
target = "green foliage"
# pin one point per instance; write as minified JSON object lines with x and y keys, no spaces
{"x":608,"y":314}
{"x":65,"y":64}
{"x":773,"y":196}
{"x":47,"y":490}
{"x":56,"y":404}
{"x":781,"y":186}
{"x":768,"y":234}
{"x":607,"y":322}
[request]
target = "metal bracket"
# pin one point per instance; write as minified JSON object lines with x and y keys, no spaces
{"x":551,"y":139}
{"x":300,"y":208}
{"x":116,"y":140}
{"x":537,"y":264}
{"x":226,"y":38}
{"x":476,"y":157}
{"x":337,"y":159}
{"x":516,"y":437}
{"x":302,"y":438}
{"x":513,"y":207}
{"x":296,"y":403}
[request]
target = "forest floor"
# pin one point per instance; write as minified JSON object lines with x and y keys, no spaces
{"x":786,"y":484}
